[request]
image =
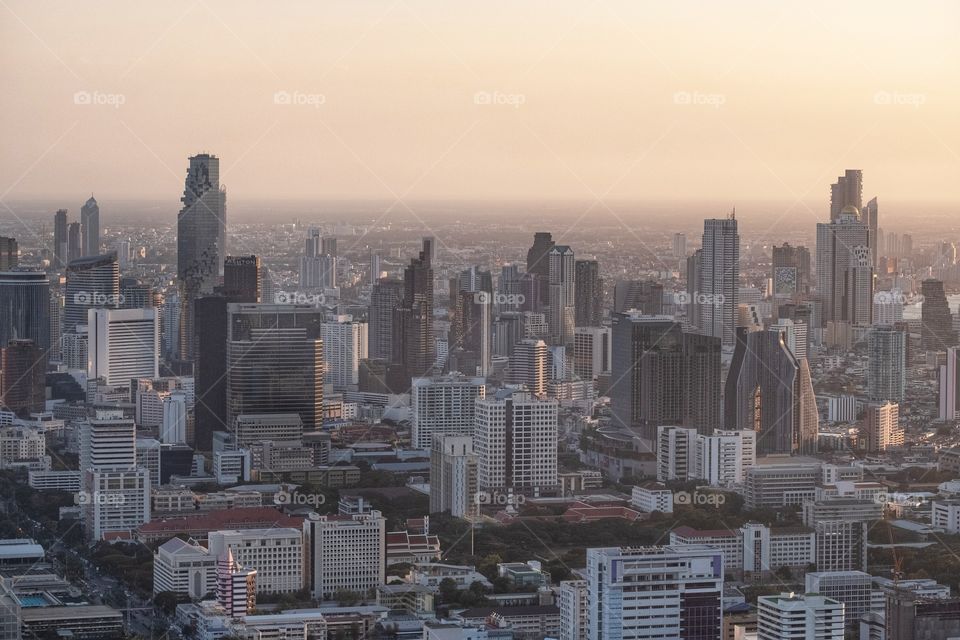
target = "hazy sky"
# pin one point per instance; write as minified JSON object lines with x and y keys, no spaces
{"x":481,"y":100}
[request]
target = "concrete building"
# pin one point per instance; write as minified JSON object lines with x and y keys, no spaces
{"x":882,"y":428}
{"x":852,"y":588}
{"x":443,"y":405}
{"x":453,"y":475}
{"x":185,"y":568}
{"x":790,"y":616}
{"x":344,"y":553}
{"x":344,"y":346}
{"x":778,"y":485}
{"x":945,"y":515}
{"x":277,"y":555}
{"x":573,"y":601}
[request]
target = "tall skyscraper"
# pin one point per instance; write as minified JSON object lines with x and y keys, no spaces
{"x":791,"y":271}
{"x":443,"y":405}
{"x":318,"y":265}
{"x":515,"y":440}
{"x":386,"y":295}
{"x":845,"y":269}
{"x":60,"y":239}
{"x":769,"y":391}
{"x":93,"y":282}
{"x":275,"y":362}
{"x":122,"y":344}
{"x":25,"y":307}
{"x":74,"y":242}
{"x":679,"y":245}
{"x":663,"y":375}
{"x":471,"y":320}
{"x":847,"y":191}
{"x":201,"y":241}
{"x":720,"y":279}
{"x":694,"y":282}
{"x":90,"y":228}
{"x":949,"y":386}
{"x":871,"y":218}
{"x":589,"y":294}
{"x":243,"y":279}
{"x":344,"y":346}
{"x":22,"y":375}
{"x":414,"y":345}
{"x":887,"y":365}
{"x":528,"y":366}
{"x":9,"y":253}
{"x":563,"y":290}
{"x":375,"y":268}
{"x":538,"y":264}
{"x":642,"y":295}
{"x":655,"y":592}
{"x":882,"y":427}
{"x":936,"y":326}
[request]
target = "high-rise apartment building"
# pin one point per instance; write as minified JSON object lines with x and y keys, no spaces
{"x":385,"y":296}
{"x":769,"y":391}
{"x":471,"y":320}
{"x":663,"y":375}
{"x":122,"y":344}
{"x":90,"y":228}
{"x":882,"y":427}
{"x":201,"y":241}
{"x":719,"y":279}
{"x":949,"y":386}
{"x":344,"y":553}
{"x":344,"y":346}
{"x":515,"y":439}
{"x":413,"y":343}
{"x":854,"y":589}
{"x":453,"y":475}
{"x":443,"y":405}
{"x":887,"y":364}
{"x":870,"y":214}
{"x":592,"y":352}
{"x":655,"y":592}
{"x":847,"y":191}
{"x":529,"y":366}
{"x":562,"y":290}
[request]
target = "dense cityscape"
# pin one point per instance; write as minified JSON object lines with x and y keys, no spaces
{"x":278,"y":407}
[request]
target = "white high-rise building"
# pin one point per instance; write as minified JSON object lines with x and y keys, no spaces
{"x":453,"y":475}
{"x":887,"y":308}
{"x":276,"y":554}
{"x":345,"y":553}
{"x":791,"y":616}
{"x":107,"y":442}
{"x":173,"y":430}
{"x":573,"y":601}
{"x":723,"y":458}
{"x":676,"y":453}
{"x":654,"y":592}
{"x":719,"y":279}
{"x":443,"y":405}
{"x":515,"y":440}
{"x":592,"y":352}
{"x":344,"y":346}
{"x":529,"y":366}
{"x":949,"y":395}
{"x":122,"y":344}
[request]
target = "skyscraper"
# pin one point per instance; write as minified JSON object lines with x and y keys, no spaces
{"x":845,"y":269}
{"x":538,"y":264}
{"x":887,"y":366}
{"x":385,"y":296}
{"x":563,"y":289}
{"x":949,"y":386}
{"x":471,"y":320}
{"x":589,"y":294}
{"x":845,"y":192}
{"x":871,"y":218}
{"x":414,"y":345}
{"x":318,"y":265}
{"x":93,"y":282}
{"x":453,"y":475}
{"x":243,"y":279}
{"x":60,"y":239}
{"x":22,"y":375}
{"x":74,"y":242}
{"x":275,"y":362}
{"x":443,"y":405}
{"x":528,"y":366}
{"x":791,"y":271}
{"x":694,"y":282}
{"x":720,"y":279}
{"x":201,"y":241}
{"x":344,"y":346}
{"x":663,"y":375}
{"x":936,"y":326}
{"x":770,"y":391}
{"x":90,"y":228}
{"x":9,"y":253}
{"x":25,"y":307}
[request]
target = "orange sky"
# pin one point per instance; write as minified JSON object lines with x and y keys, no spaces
{"x":499,"y":100}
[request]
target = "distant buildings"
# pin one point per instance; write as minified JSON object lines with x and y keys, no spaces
{"x":936,"y":327}
{"x":589,"y":294}
{"x":562,"y":288}
{"x":949,"y":386}
{"x":845,"y":269}
{"x":90,"y":228}
{"x":344,"y":346}
{"x":717,"y":297}
{"x":413,"y":345}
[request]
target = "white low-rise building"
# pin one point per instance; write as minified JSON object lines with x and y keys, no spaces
{"x":652,"y":498}
{"x":182,"y":567}
{"x":946,"y":515}
{"x":276,"y":554}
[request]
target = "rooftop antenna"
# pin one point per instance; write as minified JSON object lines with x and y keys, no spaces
{"x":733,"y":214}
